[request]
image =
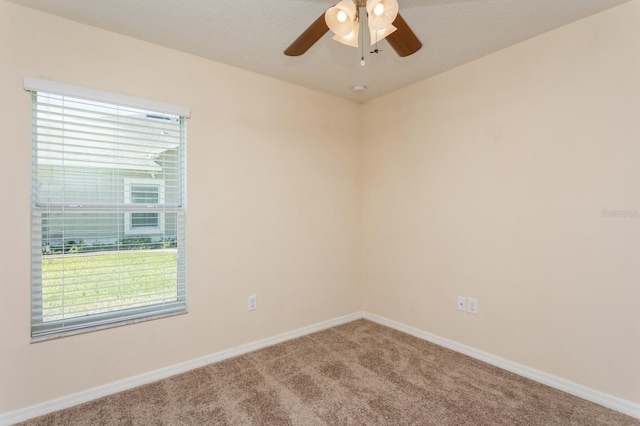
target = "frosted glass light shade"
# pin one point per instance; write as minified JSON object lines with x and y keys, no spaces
{"x":377,"y":35}
{"x":381,"y":13}
{"x":341,"y":18}
{"x":350,"y":39}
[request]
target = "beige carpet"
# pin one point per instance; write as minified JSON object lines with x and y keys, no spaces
{"x":359,"y":373}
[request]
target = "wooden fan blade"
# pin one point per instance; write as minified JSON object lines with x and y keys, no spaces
{"x":403,"y":40}
{"x":308,"y":37}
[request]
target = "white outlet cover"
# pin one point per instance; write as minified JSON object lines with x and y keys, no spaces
{"x":252,"y":303}
{"x":462,"y":303}
{"x":472,"y":306}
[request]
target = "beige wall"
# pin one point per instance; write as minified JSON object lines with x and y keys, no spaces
{"x":489,"y":181}
{"x":273,"y":206}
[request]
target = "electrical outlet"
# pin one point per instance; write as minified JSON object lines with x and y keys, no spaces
{"x":253,"y":302}
{"x":462,"y":303}
{"x":472,"y":306}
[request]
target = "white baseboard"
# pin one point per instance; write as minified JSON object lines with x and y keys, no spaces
{"x":621,"y":405}
{"x":13,"y":417}
{"x":618,"y":404}
{"x":270,"y":341}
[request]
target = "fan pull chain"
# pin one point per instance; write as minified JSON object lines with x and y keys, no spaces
{"x":376,"y":50}
{"x":362,"y":62}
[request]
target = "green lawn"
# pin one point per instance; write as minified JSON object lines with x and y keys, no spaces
{"x":75,"y":285}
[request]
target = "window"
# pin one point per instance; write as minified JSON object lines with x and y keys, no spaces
{"x":108,"y":208}
{"x":150,"y":193}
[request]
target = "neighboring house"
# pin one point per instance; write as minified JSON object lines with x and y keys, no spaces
{"x":74,"y":167}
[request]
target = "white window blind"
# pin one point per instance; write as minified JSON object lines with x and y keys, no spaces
{"x":108,"y":211}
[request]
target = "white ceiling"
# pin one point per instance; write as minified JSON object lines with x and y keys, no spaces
{"x":252,"y":34}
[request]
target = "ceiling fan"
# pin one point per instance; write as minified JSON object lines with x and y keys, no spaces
{"x":346,"y":19}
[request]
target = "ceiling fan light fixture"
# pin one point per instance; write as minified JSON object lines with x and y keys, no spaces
{"x":381,"y":13}
{"x":341,"y":18}
{"x":350,"y":39}
{"x":346,"y":17}
{"x":377,"y":35}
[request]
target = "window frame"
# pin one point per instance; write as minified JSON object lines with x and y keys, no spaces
{"x":41,"y":330}
{"x":128,"y":224}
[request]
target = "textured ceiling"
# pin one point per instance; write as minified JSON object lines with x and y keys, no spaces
{"x":252,"y":34}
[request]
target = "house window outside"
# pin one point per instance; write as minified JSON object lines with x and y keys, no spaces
{"x":108,"y":209}
{"x":148,"y":193}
